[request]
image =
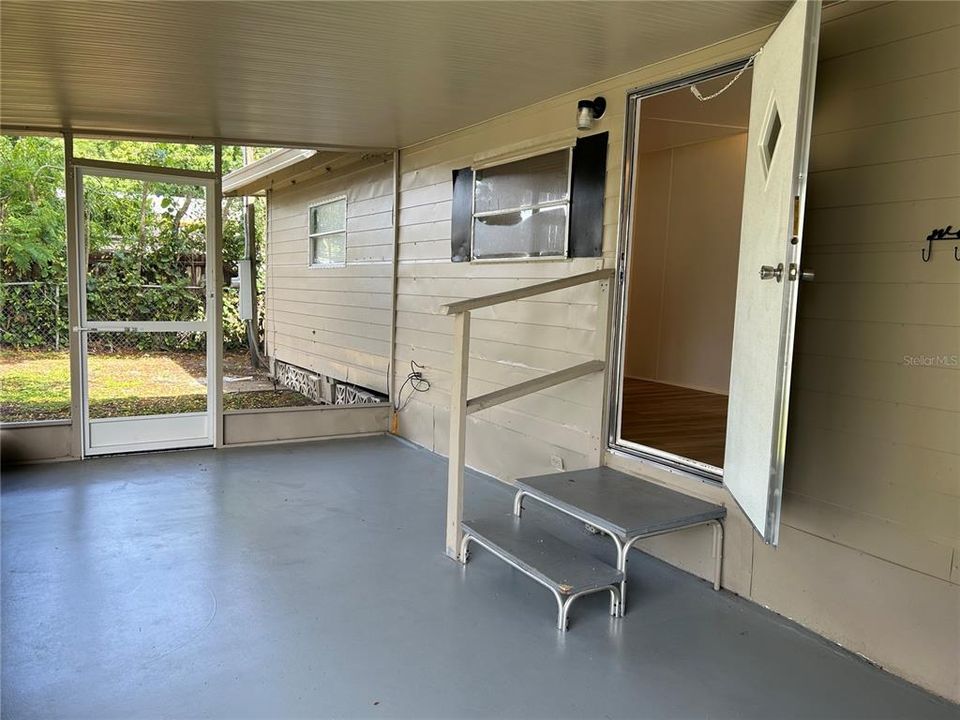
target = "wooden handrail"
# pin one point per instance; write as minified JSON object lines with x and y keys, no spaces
{"x":525,"y":292}
{"x":461,"y":406}
{"x":512,"y":392}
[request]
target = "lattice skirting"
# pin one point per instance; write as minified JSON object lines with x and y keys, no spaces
{"x":323,"y":389}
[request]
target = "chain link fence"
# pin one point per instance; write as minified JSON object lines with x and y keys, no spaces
{"x":129,"y":373}
{"x":34,"y":351}
{"x":34,"y":315}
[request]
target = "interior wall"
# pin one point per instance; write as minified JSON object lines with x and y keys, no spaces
{"x":683,"y":264}
{"x":869,"y":549}
{"x":333,"y":321}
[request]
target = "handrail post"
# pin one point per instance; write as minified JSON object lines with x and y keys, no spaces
{"x":602,"y":347}
{"x":459,"y":369}
{"x":602,"y":352}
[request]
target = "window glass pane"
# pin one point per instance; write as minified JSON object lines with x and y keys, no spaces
{"x":526,"y":233}
{"x":328,"y":249}
{"x":329,"y":217}
{"x":523,"y":183}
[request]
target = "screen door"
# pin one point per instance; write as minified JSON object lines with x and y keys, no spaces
{"x":145,"y":312}
{"x":769,"y":266}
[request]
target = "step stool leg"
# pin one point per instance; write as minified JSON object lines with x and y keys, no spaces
{"x":464,"y":553}
{"x":518,"y":503}
{"x":717,"y":553}
{"x":622,"y":551}
{"x":614,"y":601}
{"x":562,"y":607}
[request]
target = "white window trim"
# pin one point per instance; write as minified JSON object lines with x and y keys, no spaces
{"x":565,"y":255}
{"x":310,"y":236}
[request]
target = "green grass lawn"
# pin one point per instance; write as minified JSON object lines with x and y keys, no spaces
{"x":35,"y":385}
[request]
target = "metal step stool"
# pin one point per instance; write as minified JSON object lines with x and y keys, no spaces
{"x":569,"y":573}
{"x":625,"y":508}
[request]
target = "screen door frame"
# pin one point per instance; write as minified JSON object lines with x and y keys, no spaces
{"x":162,"y":431}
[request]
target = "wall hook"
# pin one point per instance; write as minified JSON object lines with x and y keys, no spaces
{"x":945,"y":233}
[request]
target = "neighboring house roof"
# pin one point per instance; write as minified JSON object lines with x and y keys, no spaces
{"x":286,"y":167}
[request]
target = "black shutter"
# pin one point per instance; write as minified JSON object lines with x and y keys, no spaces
{"x":586,"y":196}
{"x":461,"y":215}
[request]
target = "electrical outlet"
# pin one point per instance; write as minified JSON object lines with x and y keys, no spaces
{"x":557,"y":462}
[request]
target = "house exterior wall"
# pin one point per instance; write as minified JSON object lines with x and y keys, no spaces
{"x":522,"y":340}
{"x":333,"y":321}
{"x":868,"y":554}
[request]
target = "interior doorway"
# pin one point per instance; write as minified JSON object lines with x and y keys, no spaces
{"x":680,"y":267}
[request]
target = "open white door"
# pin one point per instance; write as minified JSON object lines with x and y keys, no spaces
{"x":781,"y":108}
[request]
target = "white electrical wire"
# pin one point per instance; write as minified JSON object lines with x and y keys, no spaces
{"x":701,"y":98}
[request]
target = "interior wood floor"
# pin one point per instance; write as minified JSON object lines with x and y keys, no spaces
{"x":678,"y":420}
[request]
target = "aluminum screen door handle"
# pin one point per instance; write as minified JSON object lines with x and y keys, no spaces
{"x":768,"y":272}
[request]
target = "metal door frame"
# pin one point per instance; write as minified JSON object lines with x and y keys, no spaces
{"x":615,"y":441}
{"x":207,"y":180}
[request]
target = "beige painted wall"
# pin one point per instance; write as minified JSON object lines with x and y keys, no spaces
{"x":869,"y":549}
{"x":683,"y":264}
{"x":269,"y":425}
{"x":38,"y":442}
{"x":522,"y":340}
{"x":334,"y":321}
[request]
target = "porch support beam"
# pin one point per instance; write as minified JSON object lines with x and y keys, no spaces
{"x":216,"y":282}
{"x":73,"y":298}
{"x":117,"y":168}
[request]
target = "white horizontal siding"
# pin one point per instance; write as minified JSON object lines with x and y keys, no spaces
{"x":334,"y":321}
{"x":519,"y":340}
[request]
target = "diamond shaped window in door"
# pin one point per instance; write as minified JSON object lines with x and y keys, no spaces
{"x":771,"y":134}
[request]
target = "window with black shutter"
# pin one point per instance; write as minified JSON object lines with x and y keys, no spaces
{"x":541,"y":207}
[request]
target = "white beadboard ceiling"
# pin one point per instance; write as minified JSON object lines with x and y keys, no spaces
{"x":346,"y":74}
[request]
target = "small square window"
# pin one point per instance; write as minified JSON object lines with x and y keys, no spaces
{"x":327,"y":238}
{"x":771,"y":135}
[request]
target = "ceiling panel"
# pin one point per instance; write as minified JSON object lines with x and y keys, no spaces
{"x":364,"y":74}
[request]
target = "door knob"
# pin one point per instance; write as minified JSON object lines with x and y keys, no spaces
{"x":768,"y":272}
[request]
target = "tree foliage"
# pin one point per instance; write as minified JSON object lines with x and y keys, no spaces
{"x":145,"y":242}
{"x":31,"y":208}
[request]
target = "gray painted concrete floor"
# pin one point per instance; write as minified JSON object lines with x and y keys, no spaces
{"x":309,"y":580}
